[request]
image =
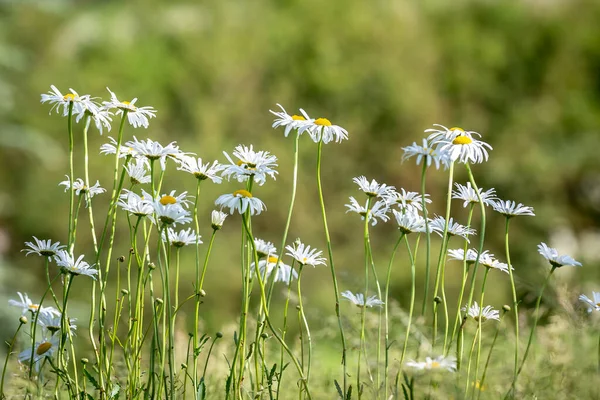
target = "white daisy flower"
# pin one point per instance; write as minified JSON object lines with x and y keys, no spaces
{"x":264,"y":248}
{"x":137,"y":116}
{"x":26,"y":305}
{"x":454,"y":228}
{"x":240,"y":201}
{"x":433,"y":364}
{"x":257,"y":164}
{"x":184,"y":237}
{"x":409,"y":221}
{"x":44,"y":248}
{"x":181,"y":199}
{"x":556,"y":260}
{"x":488,"y":261}
{"x":137,"y":172}
{"x":51,"y":323}
{"x":139,"y":206}
{"x":284,"y":272}
{"x":76,"y":267}
{"x":124,"y":150}
{"x":408,"y":201}
{"x":469,"y":195}
{"x":217,"y":218}
{"x":487,"y":313}
{"x":378,"y":210}
{"x":443,"y":133}
{"x":201,"y":171}
{"x":429,"y":153}
{"x":459,"y":255}
{"x":169,"y":211}
{"x":80,"y":187}
{"x":464,"y":148}
{"x":359,"y":299}
{"x":58,"y":101}
{"x":510,"y":208}
{"x":290,"y":121}
{"x":322,"y":129}
{"x":305,"y":255}
{"x":593,"y":304}
{"x":42,"y":349}
{"x":99,"y":115}
{"x":374,"y":189}
{"x":154,"y":151}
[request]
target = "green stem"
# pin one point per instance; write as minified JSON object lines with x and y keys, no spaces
{"x":413,"y":288}
{"x":363,"y":313}
{"x":487,"y":362}
{"x":198,"y":287}
{"x":12,"y":343}
{"x":305,"y":322}
{"x":514,"y":298}
{"x":428,"y":238}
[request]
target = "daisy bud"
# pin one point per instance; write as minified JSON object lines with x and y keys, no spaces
{"x":506,"y":308}
{"x":121,"y":259}
{"x":184,"y":366}
{"x":219,"y":335}
{"x":437,"y":299}
{"x":298,"y":308}
{"x":264,"y":335}
{"x":159,"y":301}
{"x":151,"y":266}
{"x":23,"y":319}
{"x":202,"y":293}
{"x":84,"y":361}
{"x":124,"y":292}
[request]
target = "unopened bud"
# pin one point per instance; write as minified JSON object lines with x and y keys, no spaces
{"x":437,"y":299}
{"x":84,"y":361}
{"x":23,"y":319}
{"x":264,"y":335}
{"x":151,"y":266}
{"x":202,"y":293}
{"x":121,"y":259}
{"x":184,"y":366}
{"x":298,"y":307}
{"x":159,"y":301}
{"x":506,"y":308}
{"x":219,"y":335}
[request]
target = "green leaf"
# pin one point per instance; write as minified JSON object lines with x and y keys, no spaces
{"x":91,"y":379}
{"x":339,"y":389}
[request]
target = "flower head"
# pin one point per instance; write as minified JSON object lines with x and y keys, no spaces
{"x":433,"y":364}
{"x":201,"y":171}
{"x":459,"y":144}
{"x":250,"y":163}
{"x":408,"y":201}
{"x":135,"y":204}
{"x":138,"y":171}
{"x":459,"y":255}
{"x":81,"y":188}
{"x":592,"y":304}
{"x":469,"y":195}
{"x":438,"y":224}
{"x":284,"y":272}
{"x":27,"y":305}
{"x":42,"y":349}
{"x":379,"y":210}
{"x":409,"y":221}
{"x":374,"y":189}
{"x":290,"y":122}
{"x":556,"y":260}
{"x":430,"y":154}
{"x":321,"y":129}
{"x":359,"y":299}
{"x":486,"y":313}
{"x":51,"y":323}
{"x":217,"y":218}
{"x":487,"y":260}
{"x":60,"y":101}
{"x":137,"y":116}
{"x":305,"y":255}
{"x":75,"y":267}
{"x":264,"y":248}
{"x":44,"y":248}
{"x":124,"y":151}
{"x":99,"y":115}
{"x":240,"y":201}
{"x":511,"y":209}
{"x":182,"y":238}
{"x":169,"y":209}
{"x":152,"y":150}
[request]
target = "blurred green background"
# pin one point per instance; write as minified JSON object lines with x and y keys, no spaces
{"x":525,"y":74}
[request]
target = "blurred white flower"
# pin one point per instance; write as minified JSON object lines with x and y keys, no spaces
{"x":432,"y":364}
{"x":409,"y":221}
{"x":438,"y":224}
{"x":137,"y":172}
{"x":487,"y":313}
{"x":592,"y":304}
{"x":290,"y":122}
{"x":154,"y":151}
{"x":322,"y":129}
{"x":80,"y":187}
{"x":429,"y":153}
{"x":26,"y":305}
{"x":60,"y":101}
{"x":359,"y":299}
{"x":284,"y":272}
{"x":556,"y":260}
{"x":510,"y":208}
{"x":135,"y":204}
{"x":51,"y":323}
{"x":408,"y":201}
{"x":184,"y":237}
{"x":42,"y":349}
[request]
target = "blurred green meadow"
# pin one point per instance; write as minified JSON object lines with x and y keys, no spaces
{"x":525,"y":74}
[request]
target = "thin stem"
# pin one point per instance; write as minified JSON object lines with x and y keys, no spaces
{"x":305,"y":322}
{"x":428,"y":239}
{"x":22,"y":321}
{"x":412,"y":298}
{"x":487,"y":362}
{"x":198,"y":287}
{"x":363,"y":313}
{"x":514,"y":298}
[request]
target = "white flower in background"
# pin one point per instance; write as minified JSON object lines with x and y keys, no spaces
{"x":58,"y":101}
{"x":51,"y":323}
{"x":137,"y":172}
{"x":488,"y":261}
{"x":378,"y":210}
{"x":284,"y":272}
{"x":201,"y":171}
{"x":135,"y":204}
{"x":433,"y":364}
{"x":264,"y":248}
{"x":26,"y":305}
{"x":137,"y":116}
{"x":217,"y":218}
{"x":154,"y":151}
{"x":305,"y":255}
{"x":359,"y":299}
{"x":408,"y":201}
{"x":511,"y":209}
{"x":454,"y":228}
{"x":44,"y":248}
{"x":182,"y":238}
{"x":462,"y":147}
{"x":322,"y":129}
{"x":469,"y":195}
{"x":99,"y":115}
{"x":240,"y":201}
{"x":374,"y":189}
{"x":290,"y":122}
{"x":556,"y":260}
{"x":486,"y":314}
{"x":80,"y":187}
{"x":42,"y":349}
{"x":592,"y":304}
{"x":459,"y":255}
{"x":443,"y":133}
{"x":409,"y":221}
{"x":257,"y":164}
{"x":124,"y":150}
{"x":429,"y":153}
{"x":76,"y":267}
{"x":169,"y":210}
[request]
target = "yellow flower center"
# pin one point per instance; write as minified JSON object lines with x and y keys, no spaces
{"x":323,"y":122}
{"x":456,"y":128}
{"x":167,"y":200}
{"x":243,"y":193}
{"x":272,"y":259}
{"x":34,"y":306}
{"x":435,"y":364}
{"x":298,"y":118}
{"x":43,"y":348}
{"x":462,"y":140}
{"x":597,"y":304}
{"x":69,"y":97}
{"x":129,"y":105}
{"x":304,"y":260}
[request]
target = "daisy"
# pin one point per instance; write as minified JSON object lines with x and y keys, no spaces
{"x":137,"y":172}
{"x":43,"y":248}
{"x":429,"y":153}
{"x":42,"y":349}
{"x":510,"y":208}
{"x":131,"y":202}
{"x":438,"y":225}
{"x":154,"y":151}
{"x":487,"y":312}
{"x":409,"y":201}
{"x":137,"y":116}
{"x":443,"y":133}
{"x":182,"y":238}
{"x":100,"y":115}
{"x":438,"y":363}
{"x":51,"y":323}
{"x":373,"y":189}
{"x":58,"y":101}
{"x":555,"y":259}
{"x":201,"y":171}
{"x":459,"y":255}
{"x":169,"y":212}
{"x":378,"y":210}
{"x":469,"y":195}
{"x":593,"y":304}
{"x":217,"y":218}
{"x":80,"y":187}
{"x":321,"y":129}
{"x":171,"y":198}
{"x":75,"y":267}
{"x":409,"y":222}
{"x":264,"y":248}
{"x":284,"y":272}
{"x":27,"y":305}
{"x":463,"y":148}
{"x":305,"y":255}
{"x":241,"y":201}
{"x":250,"y":163}
{"x":290,"y":121}
{"x":124,"y":151}
{"x":359,"y":299}
{"x":488,"y":261}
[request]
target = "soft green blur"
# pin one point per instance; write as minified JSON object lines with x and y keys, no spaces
{"x":525,"y":74}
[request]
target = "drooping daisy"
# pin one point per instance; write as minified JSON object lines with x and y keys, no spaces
{"x":378,"y":210}
{"x":469,"y":195}
{"x":135,"y":204}
{"x":429,"y":153}
{"x":374,"y":189}
{"x":459,"y":255}
{"x":408,"y":201}
{"x":26,"y":305}
{"x":124,"y":150}
{"x":182,"y":238}
{"x":154,"y":151}
{"x":201,"y":171}
{"x":510,"y":208}
{"x":592,"y":304}
{"x":99,"y":115}
{"x":264,"y":248}
{"x":250,"y":163}
{"x":240,"y":201}
{"x":217,"y":218}
{"x":75,"y":267}
{"x":359,"y":299}
{"x":454,"y":228}
{"x":81,"y":188}
{"x":60,"y":101}
{"x":488,"y":261}
{"x":409,"y":221}
{"x":266,"y":267}
{"x":290,"y":122}
{"x":44,"y":248}
{"x":556,"y":260}
{"x":138,"y":172}
{"x":487,"y":312}
{"x":322,"y":129}
{"x":305,"y":255}
{"x":51,"y":323}
{"x":42,"y":349}
{"x":137,"y":116}
{"x":433,"y":364}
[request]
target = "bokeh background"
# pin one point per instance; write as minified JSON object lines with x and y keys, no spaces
{"x":525,"y":74}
